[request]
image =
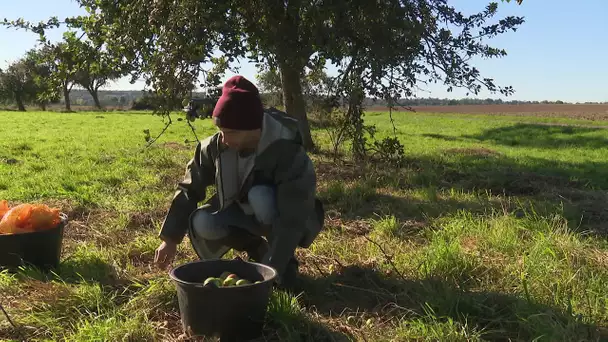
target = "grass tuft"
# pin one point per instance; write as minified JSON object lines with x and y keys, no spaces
{"x":114,"y":328}
{"x":433,"y":328}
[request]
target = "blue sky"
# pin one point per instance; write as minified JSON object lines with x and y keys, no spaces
{"x":557,"y":54}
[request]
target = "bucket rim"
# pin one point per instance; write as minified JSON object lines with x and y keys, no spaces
{"x":183,"y":282}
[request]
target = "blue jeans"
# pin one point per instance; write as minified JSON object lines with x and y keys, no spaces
{"x":216,"y":226}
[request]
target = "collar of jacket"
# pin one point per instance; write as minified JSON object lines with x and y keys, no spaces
{"x":275,"y":127}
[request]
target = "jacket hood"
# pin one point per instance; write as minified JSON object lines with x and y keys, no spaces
{"x":275,"y":128}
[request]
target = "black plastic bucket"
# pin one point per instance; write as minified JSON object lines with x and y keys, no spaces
{"x":234,"y":313}
{"x":40,"y":249}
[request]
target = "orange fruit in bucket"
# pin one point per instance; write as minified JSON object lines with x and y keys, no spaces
{"x":28,"y":218}
{"x":41,"y":217}
{"x":4,"y":208}
{"x":14,"y":220}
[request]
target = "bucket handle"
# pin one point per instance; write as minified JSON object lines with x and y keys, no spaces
{"x":64,"y":219}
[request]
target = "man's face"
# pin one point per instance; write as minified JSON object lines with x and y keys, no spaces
{"x":240,"y":140}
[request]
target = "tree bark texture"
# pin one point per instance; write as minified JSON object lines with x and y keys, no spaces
{"x":66,"y":96}
{"x":293,"y":100}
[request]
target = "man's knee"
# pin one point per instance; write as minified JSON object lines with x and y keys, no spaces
{"x":262,"y":200}
{"x":206,"y":226}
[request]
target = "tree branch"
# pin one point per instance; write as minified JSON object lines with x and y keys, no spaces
{"x":161,"y":132}
{"x":8,"y":317}
{"x":443,"y":68}
{"x":193,"y":131}
{"x":319,"y":269}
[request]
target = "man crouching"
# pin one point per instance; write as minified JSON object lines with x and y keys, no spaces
{"x":265,"y":202}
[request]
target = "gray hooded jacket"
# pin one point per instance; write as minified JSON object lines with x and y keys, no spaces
{"x":280,"y":161}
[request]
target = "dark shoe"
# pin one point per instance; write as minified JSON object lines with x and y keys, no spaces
{"x":257,"y":250}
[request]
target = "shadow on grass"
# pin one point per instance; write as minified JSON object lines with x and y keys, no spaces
{"x":543,"y":136}
{"x":500,"y":315}
{"x":75,"y":270}
{"x":442,"y":137}
{"x":363,"y":201}
{"x":534,"y":135}
{"x":90,"y":270}
{"x":494,"y":166}
{"x":301,"y":329}
{"x":577,"y":190}
{"x":10,"y":333}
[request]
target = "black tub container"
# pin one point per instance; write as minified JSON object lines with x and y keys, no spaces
{"x":232,"y":313}
{"x":39,"y":249}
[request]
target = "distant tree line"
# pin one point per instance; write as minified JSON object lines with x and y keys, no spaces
{"x":467,"y":101}
{"x":74,"y":71}
{"x":140,"y":100}
{"x":316,"y":84}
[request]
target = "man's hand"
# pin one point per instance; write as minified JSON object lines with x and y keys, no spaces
{"x":164,"y":254}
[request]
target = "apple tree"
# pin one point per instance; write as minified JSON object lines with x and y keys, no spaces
{"x":388,"y":46}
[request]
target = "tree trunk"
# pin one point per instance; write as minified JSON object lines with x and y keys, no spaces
{"x":66,"y":96}
{"x":42,"y":106}
{"x":95,"y":96}
{"x":293,"y":100}
{"x":19,"y":102}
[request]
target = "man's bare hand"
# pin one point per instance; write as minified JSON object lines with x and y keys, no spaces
{"x":165,"y":254}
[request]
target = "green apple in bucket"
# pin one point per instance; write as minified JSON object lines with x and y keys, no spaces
{"x":228,"y":279}
{"x":229,"y":282}
{"x":242,"y":282}
{"x":212,"y":282}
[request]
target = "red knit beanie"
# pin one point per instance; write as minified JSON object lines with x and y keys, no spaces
{"x":240,"y":106}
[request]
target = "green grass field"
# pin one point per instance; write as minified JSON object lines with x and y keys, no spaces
{"x":493,"y":230}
